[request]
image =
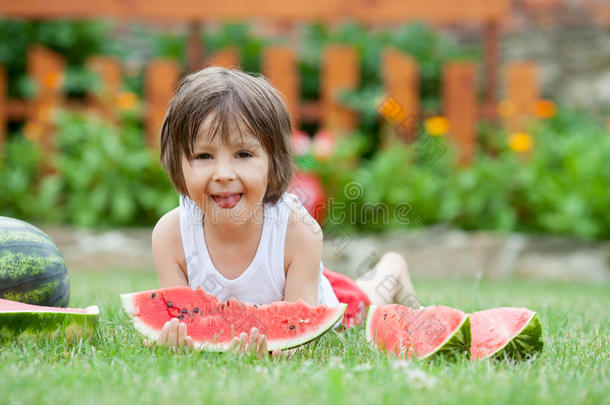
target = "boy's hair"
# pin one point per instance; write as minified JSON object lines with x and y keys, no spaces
{"x":228,"y":100}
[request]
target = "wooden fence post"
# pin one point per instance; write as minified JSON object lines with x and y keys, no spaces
{"x":3,"y":103}
{"x":161,"y":80}
{"x":46,"y":68}
{"x":400,"y":107}
{"x":340,"y":71}
{"x":109,"y":71}
{"x":460,"y":107}
{"x":227,"y":58}
{"x":280,"y":67}
{"x":522,"y":92}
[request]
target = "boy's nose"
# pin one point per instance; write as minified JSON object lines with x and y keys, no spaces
{"x":223,"y":171}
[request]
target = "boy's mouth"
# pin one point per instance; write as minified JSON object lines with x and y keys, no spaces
{"x":227,"y":200}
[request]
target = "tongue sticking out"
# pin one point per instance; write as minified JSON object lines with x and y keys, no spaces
{"x":227,"y":201}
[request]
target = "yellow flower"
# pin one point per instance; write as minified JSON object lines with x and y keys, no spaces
{"x":506,"y":108}
{"x":521,"y":142}
{"x":32,"y":131}
{"x":127,"y":100}
{"x":545,"y":109}
{"x":437,"y":125}
{"x":45,"y":112}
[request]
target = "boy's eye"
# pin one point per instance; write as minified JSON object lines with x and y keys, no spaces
{"x":244,"y":154}
{"x":203,"y":156}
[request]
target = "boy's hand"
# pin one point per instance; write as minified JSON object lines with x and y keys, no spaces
{"x":256,"y":344}
{"x":173,"y":335}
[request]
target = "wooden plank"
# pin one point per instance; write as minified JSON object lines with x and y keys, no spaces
{"x":162,"y":78}
{"x":3,"y":106}
{"x":401,"y":82}
{"x":46,"y":68}
{"x":492,"y":56}
{"x":522,"y":92}
{"x":367,"y":11}
{"x":227,"y":58}
{"x":194,"y":47}
{"x":103,"y":100}
{"x":310,"y":111}
{"x":460,"y":107}
{"x":340,"y":72}
{"x":280,"y":67}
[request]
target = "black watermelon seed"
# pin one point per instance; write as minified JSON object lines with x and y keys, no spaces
{"x":195,"y":310}
{"x":180,"y":316}
{"x":292,"y":327}
{"x":169,"y":305}
{"x":153,"y":295}
{"x":255,"y":306}
{"x":184,"y":310}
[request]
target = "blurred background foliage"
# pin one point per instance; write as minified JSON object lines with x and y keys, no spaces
{"x":554,"y":178}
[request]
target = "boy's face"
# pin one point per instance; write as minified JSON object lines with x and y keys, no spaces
{"x":227,"y":181}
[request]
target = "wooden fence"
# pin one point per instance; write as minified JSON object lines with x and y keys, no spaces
{"x":340,"y":71}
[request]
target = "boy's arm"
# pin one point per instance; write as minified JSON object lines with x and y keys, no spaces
{"x":303,"y":253}
{"x":167,"y":251}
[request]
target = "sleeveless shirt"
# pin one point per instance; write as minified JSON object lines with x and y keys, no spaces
{"x":264,"y":279}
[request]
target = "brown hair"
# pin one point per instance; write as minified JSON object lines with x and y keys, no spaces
{"x":228,"y":99}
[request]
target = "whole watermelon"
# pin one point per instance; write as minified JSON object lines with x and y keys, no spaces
{"x":32,"y":269}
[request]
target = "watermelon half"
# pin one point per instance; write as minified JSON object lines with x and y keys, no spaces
{"x":32,"y":269}
{"x":17,"y":318}
{"x":213,"y":324}
{"x":511,"y":332}
{"x":421,"y":332}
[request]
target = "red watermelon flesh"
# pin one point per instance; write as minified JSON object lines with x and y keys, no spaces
{"x":17,"y":318}
{"x":213,"y":324}
{"x":515,"y":332}
{"x":418,"y":332}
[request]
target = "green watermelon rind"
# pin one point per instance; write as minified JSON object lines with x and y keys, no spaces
{"x":131,"y":310}
{"x":527,"y":342}
{"x":457,"y":342}
{"x":32,"y":322}
{"x":339,"y":311}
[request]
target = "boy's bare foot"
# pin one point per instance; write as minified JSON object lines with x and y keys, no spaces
{"x":389,"y":282}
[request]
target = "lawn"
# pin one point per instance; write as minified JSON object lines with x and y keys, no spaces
{"x":339,"y":368}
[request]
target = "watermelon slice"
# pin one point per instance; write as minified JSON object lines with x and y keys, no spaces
{"x":17,"y":318}
{"x":418,"y":332}
{"x":511,"y":332}
{"x":212,"y":324}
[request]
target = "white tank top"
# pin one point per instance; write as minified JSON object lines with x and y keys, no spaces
{"x":264,"y":280}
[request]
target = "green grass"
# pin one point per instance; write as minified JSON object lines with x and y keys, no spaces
{"x":115,"y":367}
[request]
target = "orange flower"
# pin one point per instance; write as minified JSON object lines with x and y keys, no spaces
{"x":391,"y":110}
{"x":545,"y":109}
{"x":52,"y":80}
{"x":126,"y":100}
{"x":505,"y":108}
{"x":521,"y":142}
{"x":437,"y":125}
